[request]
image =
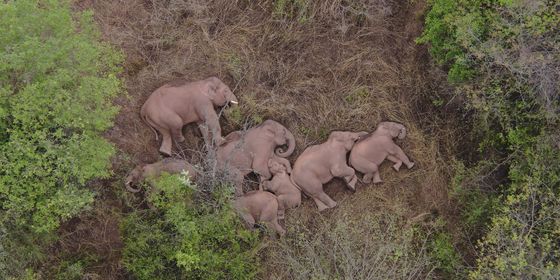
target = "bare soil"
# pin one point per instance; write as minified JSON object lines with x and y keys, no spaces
{"x":329,"y":66}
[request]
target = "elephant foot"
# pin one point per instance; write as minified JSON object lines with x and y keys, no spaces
{"x":397,"y":166}
{"x":352,"y":183}
{"x":367,"y":178}
{"x":409,"y":166}
{"x":220,"y":141}
{"x":377,"y":181}
{"x":322,"y":207}
{"x":165,"y":152}
{"x":180,"y":139}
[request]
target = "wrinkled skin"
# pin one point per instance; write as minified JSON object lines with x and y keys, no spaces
{"x":154,"y":170}
{"x":368,"y":154}
{"x":246,"y":152}
{"x":319,"y":164}
{"x":259,"y":206}
{"x":178,"y":103}
{"x":289,"y":196}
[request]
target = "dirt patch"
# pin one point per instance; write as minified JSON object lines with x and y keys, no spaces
{"x":327,"y":66}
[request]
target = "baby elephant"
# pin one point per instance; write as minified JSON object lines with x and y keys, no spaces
{"x":319,"y":164}
{"x":289,"y":196}
{"x":153,"y":170}
{"x":370,"y":152}
{"x":259,"y":206}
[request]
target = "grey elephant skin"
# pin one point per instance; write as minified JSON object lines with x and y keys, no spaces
{"x":247,"y":151}
{"x":154,"y":170}
{"x":178,"y":103}
{"x":319,"y":164}
{"x":259,"y":206}
{"x":289,"y":196}
{"x":368,"y":154}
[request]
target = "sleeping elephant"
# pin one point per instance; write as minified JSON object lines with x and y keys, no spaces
{"x":244,"y":152}
{"x":154,"y":170}
{"x":259,"y":206}
{"x":177,"y":103}
{"x":371,"y":151}
{"x":289,"y":196}
{"x":319,"y":164}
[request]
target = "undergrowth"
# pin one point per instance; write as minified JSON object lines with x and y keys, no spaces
{"x":186,"y":236}
{"x":503,"y":58}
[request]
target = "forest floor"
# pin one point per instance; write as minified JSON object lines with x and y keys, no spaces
{"x":318,"y":68}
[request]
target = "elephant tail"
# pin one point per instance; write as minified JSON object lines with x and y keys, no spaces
{"x":147,"y":121}
{"x":298,"y":187}
{"x":131,"y":189}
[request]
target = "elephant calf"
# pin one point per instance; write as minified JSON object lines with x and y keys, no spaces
{"x":259,"y":206}
{"x":154,"y":170}
{"x":178,"y":103}
{"x":319,"y":164}
{"x":368,"y":154}
{"x":289,"y":196}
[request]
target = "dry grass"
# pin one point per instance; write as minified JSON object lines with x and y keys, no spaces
{"x":315,"y":66}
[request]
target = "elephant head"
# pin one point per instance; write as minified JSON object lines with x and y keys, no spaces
{"x":280,"y":135}
{"x":346,"y":138}
{"x":277,"y":167}
{"x":134,"y":178}
{"x":220,"y":93}
{"x":393,"y":129}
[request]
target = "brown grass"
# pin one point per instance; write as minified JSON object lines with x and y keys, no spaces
{"x":327,"y":66}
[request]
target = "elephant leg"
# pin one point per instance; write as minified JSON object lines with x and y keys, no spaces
{"x":372,"y":173}
{"x":204,"y":131}
{"x":395,"y":160}
{"x":249,"y":220}
{"x":270,"y":215}
{"x":377,"y":177}
{"x":166,"y":142}
{"x":347,"y":173}
{"x":178,"y":134}
{"x":212,"y":123}
{"x":326,"y":200}
{"x":398,"y":152}
{"x":320,"y":205}
{"x":365,"y":166}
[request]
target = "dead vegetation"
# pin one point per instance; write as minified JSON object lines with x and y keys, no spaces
{"x":315,"y":66}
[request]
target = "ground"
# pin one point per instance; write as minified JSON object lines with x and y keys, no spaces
{"x":316,"y":68}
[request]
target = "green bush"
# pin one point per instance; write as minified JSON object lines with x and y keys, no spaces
{"x":56,"y":84}
{"x":503,"y":56}
{"x":187,"y":236}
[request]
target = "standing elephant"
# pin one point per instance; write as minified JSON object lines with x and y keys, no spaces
{"x":248,"y":151}
{"x":175,"y":104}
{"x":371,"y":151}
{"x":318,"y":164}
{"x":259,"y":206}
{"x":154,"y":170}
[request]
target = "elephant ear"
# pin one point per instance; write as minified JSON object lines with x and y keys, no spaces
{"x":269,"y":131}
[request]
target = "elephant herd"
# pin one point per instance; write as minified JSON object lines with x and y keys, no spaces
{"x":259,"y":150}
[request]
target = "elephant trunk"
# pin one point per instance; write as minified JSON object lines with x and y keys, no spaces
{"x":231,"y":98}
{"x":128,"y":185}
{"x":402,"y":132}
{"x":291,"y":142}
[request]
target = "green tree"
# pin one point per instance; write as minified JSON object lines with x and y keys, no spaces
{"x":57,"y":80}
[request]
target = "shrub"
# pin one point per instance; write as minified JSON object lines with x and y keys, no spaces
{"x":56,"y":84}
{"x":187,"y":236}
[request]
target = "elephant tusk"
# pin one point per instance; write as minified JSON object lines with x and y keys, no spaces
{"x":234,"y":102}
